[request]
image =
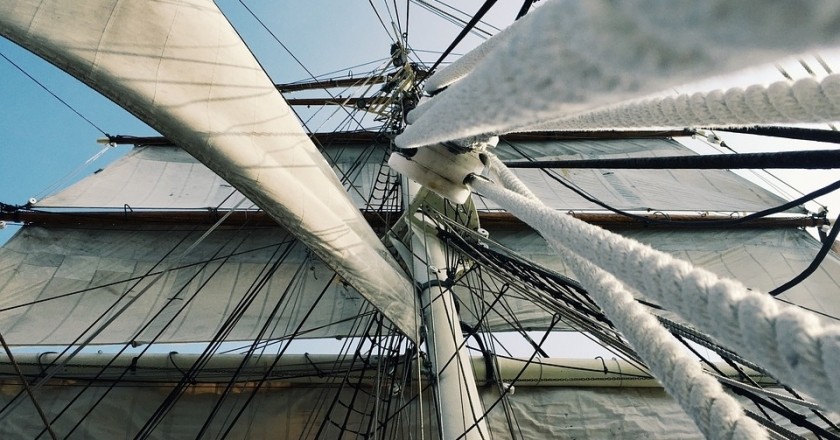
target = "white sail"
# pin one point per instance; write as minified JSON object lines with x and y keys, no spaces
{"x":182,"y":68}
{"x":116,"y":239}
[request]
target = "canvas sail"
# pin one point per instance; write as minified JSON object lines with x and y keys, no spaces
{"x":104,"y":254}
{"x":182,"y":68}
{"x":95,"y":264}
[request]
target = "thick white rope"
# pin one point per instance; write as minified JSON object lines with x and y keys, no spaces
{"x":792,"y":344}
{"x":507,"y":178}
{"x":717,"y":414}
{"x":464,"y":65}
{"x":568,"y":57}
{"x":805,"y":100}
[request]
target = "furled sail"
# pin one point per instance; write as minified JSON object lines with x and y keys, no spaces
{"x":570,"y":57}
{"x":182,"y":68}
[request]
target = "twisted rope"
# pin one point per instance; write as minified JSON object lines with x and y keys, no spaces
{"x":805,"y":100}
{"x":717,"y":414}
{"x":792,"y":344}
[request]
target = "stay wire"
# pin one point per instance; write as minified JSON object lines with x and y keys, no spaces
{"x":507,"y":390}
{"x":138,"y":278}
{"x":66,"y":104}
{"x":25,"y":384}
{"x":262,"y":380}
{"x":151,"y":343}
{"x":247,"y":356}
{"x":382,"y":22}
{"x":297,"y":60}
{"x":52,"y":369}
{"x":475,"y":19}
{"x":213,"y":345}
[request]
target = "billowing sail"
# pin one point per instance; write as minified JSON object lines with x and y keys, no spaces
{"x":181,"y":68}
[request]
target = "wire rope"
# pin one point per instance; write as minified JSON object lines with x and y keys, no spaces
{"x":65,"y":103}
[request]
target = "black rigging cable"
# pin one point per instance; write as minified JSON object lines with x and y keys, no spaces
{"x":526,"y":6}
{"x":481,"y":11}
{"x":828,"y":242}
{"x":54,"y":95}
{"x":703,"y":224}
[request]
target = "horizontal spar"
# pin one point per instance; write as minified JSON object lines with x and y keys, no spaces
{"x":808,"y":159}
{"x":381,"y":220}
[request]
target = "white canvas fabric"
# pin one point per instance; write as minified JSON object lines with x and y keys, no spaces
{"x":183,"y":69}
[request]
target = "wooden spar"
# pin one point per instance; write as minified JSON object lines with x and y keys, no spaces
{"x":385,"y":219}
{"x":359,"y":102}
{"x":805,"y":134}
{"x":323,"y":368}
{"x":352,"y":137}
{"x":805,"y":159}
{"x":344,"y":82}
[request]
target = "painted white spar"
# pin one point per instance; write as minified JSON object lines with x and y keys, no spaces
{"x":463,"y":409}
{"x":183,"y":69}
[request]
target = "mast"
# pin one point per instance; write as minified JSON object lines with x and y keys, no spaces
{"x":458,"y":399}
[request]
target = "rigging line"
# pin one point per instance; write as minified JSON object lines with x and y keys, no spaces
{"x":147,"y":346}
{"x":140,"y":277}
{"x":775,"y":397}
{"x":760,"y":402}
{"x":382,"y":22}
{"x":160,"y":332}
{"x":262,"y":380}
{"x":213,"y":345}
{"x":345,"y":70}
{"x":391,"y":16}
{"x":342,"y":354}
{"x":815,"y":311}
{"x":54,"y":95}
{"x":26,"y":387}
{"x":52,"y":369}
{"x":289,"y":337}
{"x":465,"y":14}
{"x":712,"y":223}
{"x":526,"y":6}
{"x":61,"y":181}
{"x":754,"y":172}
{"x":506,"y":391}
{"x":252,"y":350}
{"x":815,"y":263}
{"x":784,"y":338}
{"x":720,"y":373}
{"x":155,"y":316}
{"x":345,"y":379}
{"x":407,"y":18}
{"x":481,"y":11}
{"x":274,"y":36}
{"x":480,"y":33}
